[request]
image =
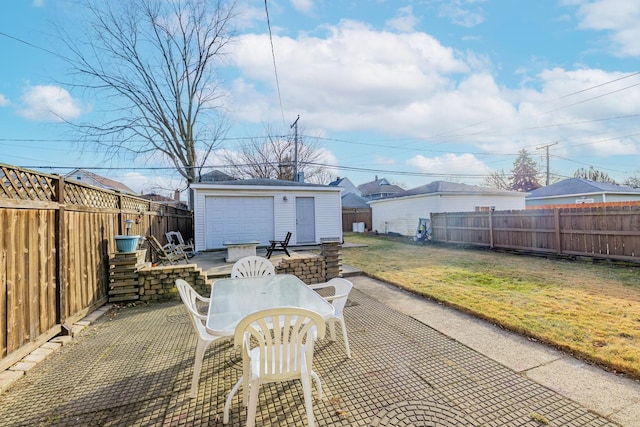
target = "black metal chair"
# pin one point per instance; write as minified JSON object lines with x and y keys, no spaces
{"x":279,"y":245}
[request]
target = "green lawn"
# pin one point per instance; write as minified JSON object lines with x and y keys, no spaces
{"x":587,"y":308}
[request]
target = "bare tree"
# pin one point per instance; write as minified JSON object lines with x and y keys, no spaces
{"x":632,"y":181}
{"x":151,"y":64}
{"x":593,"y":174}
{"x":272,"y":156}
{"x":498,"y":179}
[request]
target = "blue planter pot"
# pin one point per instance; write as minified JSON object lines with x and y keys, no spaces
{"x":126,"y":244}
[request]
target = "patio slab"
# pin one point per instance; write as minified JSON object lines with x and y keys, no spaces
{"x":133,"y":368}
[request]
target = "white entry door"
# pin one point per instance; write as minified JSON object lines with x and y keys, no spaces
{"x":238,"y":219}
{"x":305,"y":220}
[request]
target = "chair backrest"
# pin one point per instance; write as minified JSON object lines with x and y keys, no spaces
{"x":190,"y":297}
{"x":252,"y":266}
{"x":156,"y":246}
{"x":342,"y":288}
{"x":285,"y":242}
{"x":174,"y":237}
{"x":284,"y":337}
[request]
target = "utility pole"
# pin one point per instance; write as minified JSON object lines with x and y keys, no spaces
{"x":295,"y":150}
{"x":546,"y":147}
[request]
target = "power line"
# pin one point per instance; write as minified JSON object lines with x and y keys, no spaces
{"x":273,"y":56}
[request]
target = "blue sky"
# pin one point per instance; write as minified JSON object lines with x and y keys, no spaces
{"x":414,"y":91}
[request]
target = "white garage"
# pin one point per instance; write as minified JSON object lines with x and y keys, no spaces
{"x":263,"y":210}
{"x":400,"y":213}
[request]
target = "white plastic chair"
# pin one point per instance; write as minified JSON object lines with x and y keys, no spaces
{"x":176,"y":239}
{"x":252,"y":266}
{"x":342,"y":287}
{"x":190,"y":299}
{"x":277,"y":345}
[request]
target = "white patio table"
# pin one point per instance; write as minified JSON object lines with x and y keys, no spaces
{"x":234,"y":299}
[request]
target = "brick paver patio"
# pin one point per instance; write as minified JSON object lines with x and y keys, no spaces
{"x":133,"y":368}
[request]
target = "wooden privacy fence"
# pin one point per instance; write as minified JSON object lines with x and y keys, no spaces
{"x":55,"y":241}
{"x":600,"y":232}
{"x":351,"y":215}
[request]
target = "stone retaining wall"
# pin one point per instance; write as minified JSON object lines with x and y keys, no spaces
{"x":158,"y":283}
{"x":308,"y":267}
{"x":154,"y":284}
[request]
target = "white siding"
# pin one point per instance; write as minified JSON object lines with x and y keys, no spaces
{"x":328,"y":216}
{"x":328,"y":210}
{"x":400,"y":215}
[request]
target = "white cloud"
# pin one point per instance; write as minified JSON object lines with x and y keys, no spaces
{"x":355,"y":78}
{"x":465,"y":13}
{"x":145,"y":184}
{"x":466,"y":165}
{"x":38,"y":3}
{"x":619,"y":17}
{"x":48,"y":103}
{"x":304,"y":6}
{"x":405,"y":21}
{"x":4,"y":101}
{"x":384,"y":161}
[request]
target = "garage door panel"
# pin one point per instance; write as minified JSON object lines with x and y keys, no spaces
{"x":238,"y":219}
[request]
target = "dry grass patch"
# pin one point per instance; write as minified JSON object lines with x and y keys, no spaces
{"x":590,"y":309}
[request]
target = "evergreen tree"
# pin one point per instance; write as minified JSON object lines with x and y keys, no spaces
{"x":524,"y":176}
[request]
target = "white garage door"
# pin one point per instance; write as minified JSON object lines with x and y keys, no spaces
{"x":238,"y":219}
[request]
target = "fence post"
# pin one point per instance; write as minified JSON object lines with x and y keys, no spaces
{"x":556,"y":220}
{"x":491,"y":228}
{"x":446,"y":230}
{"x":60,"y":243}
{"x":121,"y":229}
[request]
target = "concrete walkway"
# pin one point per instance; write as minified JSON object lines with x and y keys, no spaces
{"x":414,"y":363}
{"x":607,"y":394}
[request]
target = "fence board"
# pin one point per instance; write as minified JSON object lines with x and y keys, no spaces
{"x":55,"y":241}
{"x":603,"y":232}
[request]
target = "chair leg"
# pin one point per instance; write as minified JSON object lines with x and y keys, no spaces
{"x":253,"y":403}
{"x":270,"y":250}
{"x":308,"y":402}
{"x":201,"y":348}
{"x":284,"y":248}
{"x":316,"y":378}
{"x":227,"y":403}
{"x":346,"y":339}
{"x":332,"y":329}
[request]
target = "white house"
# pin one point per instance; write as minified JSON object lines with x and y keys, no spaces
{"x":400,"y":213}
{"x":263,"y":210}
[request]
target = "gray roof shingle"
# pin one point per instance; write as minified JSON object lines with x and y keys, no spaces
{"x":571,"y":186}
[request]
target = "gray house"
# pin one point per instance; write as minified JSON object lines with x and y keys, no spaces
{"x":263,"y":210}
{"x":578,"y":191}
{"x":96,"y":180}
{"x":379,"y":189}
{"x":399,"y":214}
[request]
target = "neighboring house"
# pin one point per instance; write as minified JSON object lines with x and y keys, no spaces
{"x":263,"y":210}
{"x":348,"y":186}
{"x":578,"y":191}
{"x":379,"y":189}
{"x":91,"y":178}
{"x":400,"y":214}
{"x":175,"y":201}
{"x":216,"y":176}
